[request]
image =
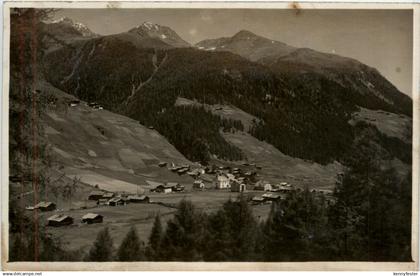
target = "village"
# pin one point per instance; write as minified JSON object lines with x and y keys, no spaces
{"x":230,"y":181}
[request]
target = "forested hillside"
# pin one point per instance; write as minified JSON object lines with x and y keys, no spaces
{"x":146,"y":83}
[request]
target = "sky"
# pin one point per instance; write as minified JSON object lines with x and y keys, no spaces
{"x":379,"y":38}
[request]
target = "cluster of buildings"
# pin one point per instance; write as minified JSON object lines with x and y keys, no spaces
{"x":94,"y":105}
{"x":169,"y":187}
{"x":112,"y":199}
{"x":64,"y":220}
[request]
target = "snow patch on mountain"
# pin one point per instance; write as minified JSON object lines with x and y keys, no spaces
{"x":80,"y":27}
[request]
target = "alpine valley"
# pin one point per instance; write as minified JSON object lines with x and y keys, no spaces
{"x":317,"y":143}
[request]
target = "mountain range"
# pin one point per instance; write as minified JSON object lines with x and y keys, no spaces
{"x":306,"y":104}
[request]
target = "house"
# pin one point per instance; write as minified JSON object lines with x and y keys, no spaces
{"x":177,"y":188}
{"x":45,"y":206}
{"x":271,"y":197}
{"x":138,"y":199}
{"x":95,"y":195}
{"x":108,"y":195}
{"x":116,"y":201}
{"x":162,"y":189}
{"x":90,"y":218}
{"x":102,"y":201}
{"x":222,"y":182}
{"x":59,"y":220}
{"x":182,"y":170}
{"x":162,"y":164}
{"x":74,"y":103}
{"x":284,"y":187}
{"x":237,"y":187}
{"x":199,"y":185}
{"x":258,"y":200}
{"x":263,"y":186}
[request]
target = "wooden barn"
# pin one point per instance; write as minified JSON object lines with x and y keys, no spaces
{"x":271,"y":197}
{"x":163,"y":189}
{"x":90,"y":218}
{"x":108,"y":195}
{"x":60,"y":220}
{"x":263,"y":186}
{"x":45,"y":206}
{"x":258,"y":200}
{"x":176,"y":187}
{"x":199,"y":185}
{"x":138,"y":199}
{"x":116,"y":201}
{"x":95,"y":195}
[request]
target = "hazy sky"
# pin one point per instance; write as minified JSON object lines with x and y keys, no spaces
{"x":378,"y":38}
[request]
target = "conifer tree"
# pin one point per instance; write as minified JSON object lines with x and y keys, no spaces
{"x":101,"y":250}
{"x":232,"y":233}
{"x":184,"y":234}
{"x":153,"y":247}
{"x":131,"y":248}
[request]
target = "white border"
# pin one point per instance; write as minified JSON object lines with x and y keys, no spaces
{"x":147,"y":266}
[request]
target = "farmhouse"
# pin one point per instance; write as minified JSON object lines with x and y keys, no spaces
{"x":258,"y":200}
{"x":199,"y":185}
{"x":90,"y":218}
{"x":108,"y":195}
{"x":177,"y":187}
{"x":74,"y":103}
{"x":182,"y":171}
{"x":237,"y":187}
{"x":263,"y":186}
{"x":59,"y":220}
{"x":138,"y":199}
{"x":222,"y":182}
{"x":102,"y":201}
{"x":271,"y":197}
{"x":116,"y":201}
{"x":45,"y":206}
{"x":95,"y":195}
{"x":163,"y":189}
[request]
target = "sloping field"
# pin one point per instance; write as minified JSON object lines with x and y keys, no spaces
{"x":225,"y":111}
{"x":104,"y":149}
{"x":390,"y":124}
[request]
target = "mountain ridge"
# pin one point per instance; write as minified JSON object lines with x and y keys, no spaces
{"x":291,"y":105}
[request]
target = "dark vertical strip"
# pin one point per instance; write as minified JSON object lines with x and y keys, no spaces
{"x":21,"y":110}
{"x":33,"y":61}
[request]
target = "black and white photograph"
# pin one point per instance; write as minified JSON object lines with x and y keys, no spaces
{"x":210,"y":135}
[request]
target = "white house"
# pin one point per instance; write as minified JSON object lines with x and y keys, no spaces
{"x":222,"y":182}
